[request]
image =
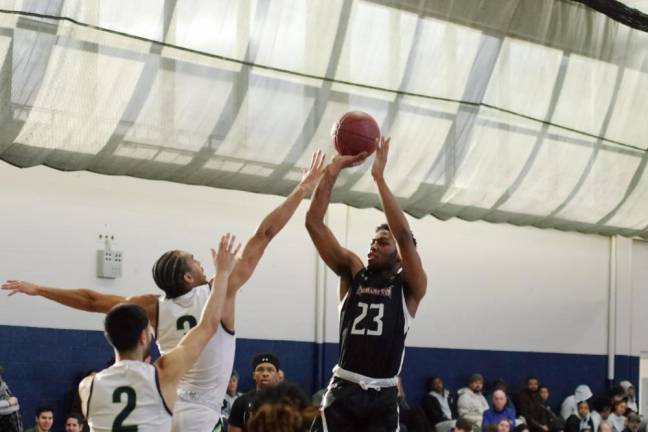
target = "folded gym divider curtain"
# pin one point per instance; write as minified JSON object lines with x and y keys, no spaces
{"x":521,"y":111}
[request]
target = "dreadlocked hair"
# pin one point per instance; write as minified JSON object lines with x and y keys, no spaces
{"x":282,"y":408}
{"x":168,"y":273}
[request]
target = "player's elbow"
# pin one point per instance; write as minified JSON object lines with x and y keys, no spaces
{"x":418,"y":289}
{"x":313,"y":223}
{"x":265,"y":233}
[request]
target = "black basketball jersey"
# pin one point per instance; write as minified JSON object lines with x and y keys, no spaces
{"x":373,"y":326}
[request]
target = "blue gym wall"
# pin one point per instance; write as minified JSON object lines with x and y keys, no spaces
{"x":46,"y":364}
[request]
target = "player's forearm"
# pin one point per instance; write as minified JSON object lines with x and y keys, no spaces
{"x":321,"y":197}
{"x":82,"y":299}
{"x":395,"y":217}
{"x":279,"y":217}
{"x":213,"y":310}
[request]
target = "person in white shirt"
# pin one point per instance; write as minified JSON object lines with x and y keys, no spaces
{"x":137,"y":396}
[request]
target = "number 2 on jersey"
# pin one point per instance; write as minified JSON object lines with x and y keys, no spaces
{"x":131,"y":400}
{"x":377,"y":330}
{"x":182,"y":322}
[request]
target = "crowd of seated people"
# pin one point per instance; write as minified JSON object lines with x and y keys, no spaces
{"x":275,"y":405}
{"x":530,"y":409}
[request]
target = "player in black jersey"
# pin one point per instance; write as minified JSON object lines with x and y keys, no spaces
{"x":378,"y":302}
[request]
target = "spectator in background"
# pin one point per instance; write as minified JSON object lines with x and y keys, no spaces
{"x":439,"y":405}
{"x":581,"y":420}
{"x":282,"y":407}
{"x":529,"y":406}
{"x":603,"y":407}
{"x":633,"y":422}
{"x":471,"y":403}
{"x":265,"y":367}
{"x":553,"y":421}
{"x":631,"y":401}
{"x":498,"y":412}
{"x":570,"y":404}
{"x":74,"y":423}
{"x":230,"y":396}
{"x":44,"y":419}
{"x":617,"y":419}
{"x":462,"y":425}
{"x":504,"y":425}
{"x":500,"y":384}
{"x":10,"y":420}
{"x":605,"y":427}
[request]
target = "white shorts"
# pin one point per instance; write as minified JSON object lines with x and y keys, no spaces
{"x":193,"y":417}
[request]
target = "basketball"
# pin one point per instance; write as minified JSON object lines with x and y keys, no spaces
{"x":355,"y":132}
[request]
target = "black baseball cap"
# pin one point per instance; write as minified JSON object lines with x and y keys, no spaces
{"x":266,"y":357}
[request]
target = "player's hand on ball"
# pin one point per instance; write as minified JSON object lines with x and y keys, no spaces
{"x":382,"y":150}
{"x":340,"y":162}
{"x":312,"y":175}
{"x":16,"y":286}
{"x":225,"y":257}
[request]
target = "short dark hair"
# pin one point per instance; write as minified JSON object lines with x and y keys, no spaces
{"x":123,"y":325}
{"x":634,"y":417}
{"x":386,"y":227}
{"x":43,"y":407}
{"x":430,"y":381}
{"x":463,"y":424}
{"x":78,"y":417}
{"x":543,"y":386}
{"x":618,"y":390}
{"x":532,"y":377}
{"x":475,"y":377}
{"x":169,"y":271}
{"x":583,"y":402}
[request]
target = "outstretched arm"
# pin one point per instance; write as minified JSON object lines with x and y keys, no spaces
{"x":82,"y":299}
{"x":181,"y":358}
{"x":273,"y":223}
{"x":342,"y":261}
{"x":413,"y":273}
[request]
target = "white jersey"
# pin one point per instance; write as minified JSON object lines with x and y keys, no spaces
{"x":206,"y":382}
{"x":127,"y":394}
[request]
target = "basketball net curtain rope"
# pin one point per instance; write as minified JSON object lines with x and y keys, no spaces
{"x":521,"y":111}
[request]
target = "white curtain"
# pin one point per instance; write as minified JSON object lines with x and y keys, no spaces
{"x":521,"y":111}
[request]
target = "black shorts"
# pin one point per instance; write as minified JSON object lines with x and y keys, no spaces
{"x":347,"y":407}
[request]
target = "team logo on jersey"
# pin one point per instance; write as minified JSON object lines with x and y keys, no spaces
{"x":385,"y":292}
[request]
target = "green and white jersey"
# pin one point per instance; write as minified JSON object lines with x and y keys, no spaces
{"x":126,"y":397}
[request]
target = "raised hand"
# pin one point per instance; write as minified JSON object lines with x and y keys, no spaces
{"x":16,"y":286}
{"x":311,"y":176}
{"x":225,"y":257}
{"x":340,"y":162}
{"x":382,"y":151}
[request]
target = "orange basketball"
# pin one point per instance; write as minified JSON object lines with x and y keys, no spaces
{"x":355,"y":132}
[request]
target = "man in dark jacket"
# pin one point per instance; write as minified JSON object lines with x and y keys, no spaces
{"x":439,"y":405}
{"x":529,"y":406}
